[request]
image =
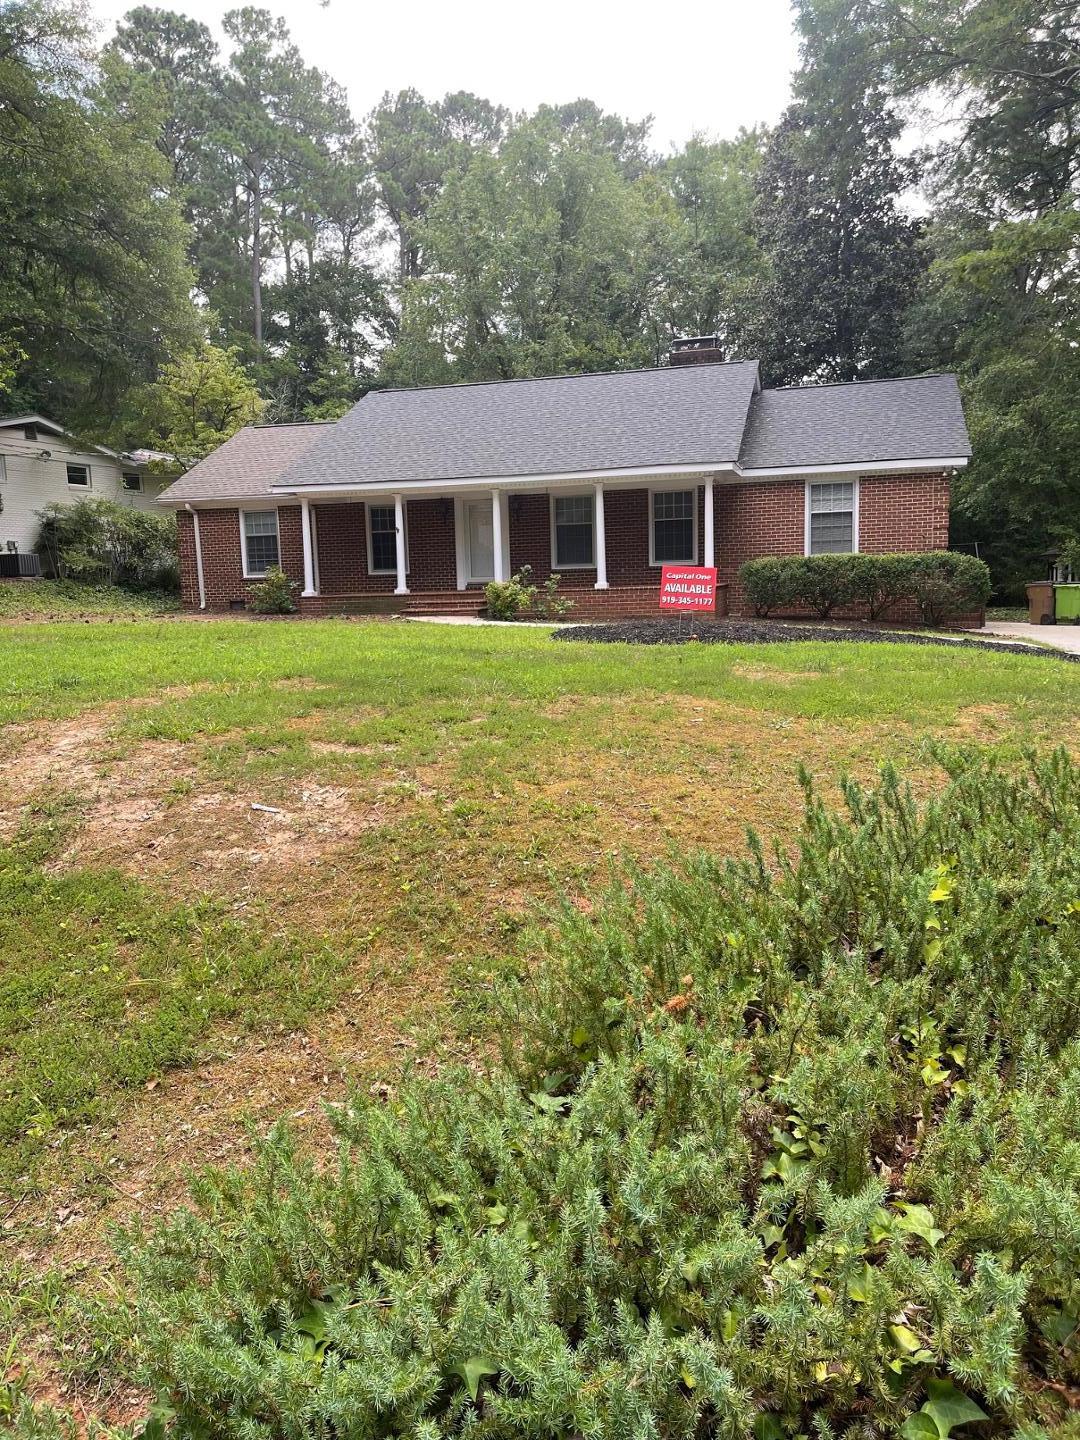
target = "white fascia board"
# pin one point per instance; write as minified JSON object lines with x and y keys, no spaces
{"x":863,"y":467}
{"x":498,"y":482}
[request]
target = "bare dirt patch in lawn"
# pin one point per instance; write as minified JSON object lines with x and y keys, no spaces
{"x":983,"y":722}
{"x":146,"y":808}
{"x":773,"y":676}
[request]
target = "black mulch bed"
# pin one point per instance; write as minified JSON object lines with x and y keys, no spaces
{"x":770,"y":632}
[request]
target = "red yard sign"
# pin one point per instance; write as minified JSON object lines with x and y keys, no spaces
{"x":688,"y":587}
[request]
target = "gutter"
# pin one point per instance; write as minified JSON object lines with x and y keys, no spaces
{"x":198,"y":555}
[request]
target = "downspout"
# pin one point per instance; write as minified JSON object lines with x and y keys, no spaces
{"x":198,"y":555}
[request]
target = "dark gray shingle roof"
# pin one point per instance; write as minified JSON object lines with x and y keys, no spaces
{"x":246,"y":465}
{"x":623,"y":420}
{"x":919,"y":418}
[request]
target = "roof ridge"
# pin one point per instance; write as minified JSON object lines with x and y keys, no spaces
{"x":531,"y":379}
{"x":846,"y":384}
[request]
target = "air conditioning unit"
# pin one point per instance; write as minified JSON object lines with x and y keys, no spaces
{"x":15,"y":565}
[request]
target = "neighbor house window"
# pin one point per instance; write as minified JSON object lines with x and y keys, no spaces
{"x":674,"y":527}
{"x":830,"y":519}
{"x":572,"y":526}
{"x":382,"y":540}
{"x":261,"y":549}
{"x":79,"y":475}
{"x":131,"y":480}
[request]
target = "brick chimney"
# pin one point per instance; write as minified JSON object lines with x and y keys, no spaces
{"x":696,"y":350}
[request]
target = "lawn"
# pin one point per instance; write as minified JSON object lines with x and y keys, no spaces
{"x":242,"y":861}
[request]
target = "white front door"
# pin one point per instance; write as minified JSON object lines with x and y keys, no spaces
{"x":480,"y":540}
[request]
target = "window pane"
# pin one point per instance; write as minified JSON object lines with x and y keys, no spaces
{"x":131,"y":481}
{"x":573,"y":530}
{"x":261,"y":540}
{"x":673,"y":526}
{"x":78,"y":475}
{"x":383,"y":550}
{"x":831,"y":519}
{"x":383,"y":524}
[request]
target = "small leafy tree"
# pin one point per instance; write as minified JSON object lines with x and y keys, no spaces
{"x":197,"y":402}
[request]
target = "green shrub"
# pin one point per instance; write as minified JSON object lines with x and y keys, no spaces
{"x":942,"y":583}
{"x":878,"y":581}
{"x":789,"y":1148}
{"x":507,"y":599}
{"x":945,"y":583}
{"x":104,"y":542}
{"x":771,"y":583}
{"x":274,"y":595}
{"x":825,"y":582}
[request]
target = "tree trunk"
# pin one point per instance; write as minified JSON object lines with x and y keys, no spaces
{"x":256,"y":256}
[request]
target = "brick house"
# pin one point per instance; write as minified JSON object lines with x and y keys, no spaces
{"x":416,"y":498}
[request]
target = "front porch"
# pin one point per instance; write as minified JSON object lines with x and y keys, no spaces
{"x":434,"y":554}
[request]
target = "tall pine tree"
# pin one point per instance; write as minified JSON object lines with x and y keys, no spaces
{"x":842,"y":258}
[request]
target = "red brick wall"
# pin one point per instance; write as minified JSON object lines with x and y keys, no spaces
{"x":626,"y":534}
{"x":903,"y":512}
{"x":765,"y":517}
{"x":341,"y":541}
{"x":223,"y":566}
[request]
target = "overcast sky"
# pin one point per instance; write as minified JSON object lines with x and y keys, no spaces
{"x":696,"y":65}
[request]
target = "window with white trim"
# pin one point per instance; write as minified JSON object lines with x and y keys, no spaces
{"x":674,"y":527}
{"x":831,"y":519}
{"x":131,"y":480}
{"x":382,"y":540}
{"x":262,"y":551}
{"x":79,"y":476}
{"x":573,"y":525}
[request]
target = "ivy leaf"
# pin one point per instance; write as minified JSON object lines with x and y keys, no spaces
{"x":474,"y":1369}
{"x":549,"y":1104}
{"x":918,"y":1220}
{"x":948,"y":1407}
{"x":919,"y":1427}
{"x":858,"y":1286}
{"x":905,"y":1339}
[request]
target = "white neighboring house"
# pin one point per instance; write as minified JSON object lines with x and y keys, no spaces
{"x":41,"y":462}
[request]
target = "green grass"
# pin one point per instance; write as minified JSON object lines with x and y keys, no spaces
{"x":503,"y":763}
{"x":429,"y":674}
{"x":67,"y":599}
{"x":104,"y":987}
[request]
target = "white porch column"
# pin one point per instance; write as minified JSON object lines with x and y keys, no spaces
{"x":500,"y":537}
{"x":309,"y":549}
{"x":402,"y":587}
{"x":710,"y":543}
{"x":601,"y":542}
{"x":460,"y":558}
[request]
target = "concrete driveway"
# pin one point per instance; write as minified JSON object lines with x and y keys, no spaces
{"x":1061,"y":637}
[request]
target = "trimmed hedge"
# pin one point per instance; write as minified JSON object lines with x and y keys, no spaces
{"x":942,"y":583}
